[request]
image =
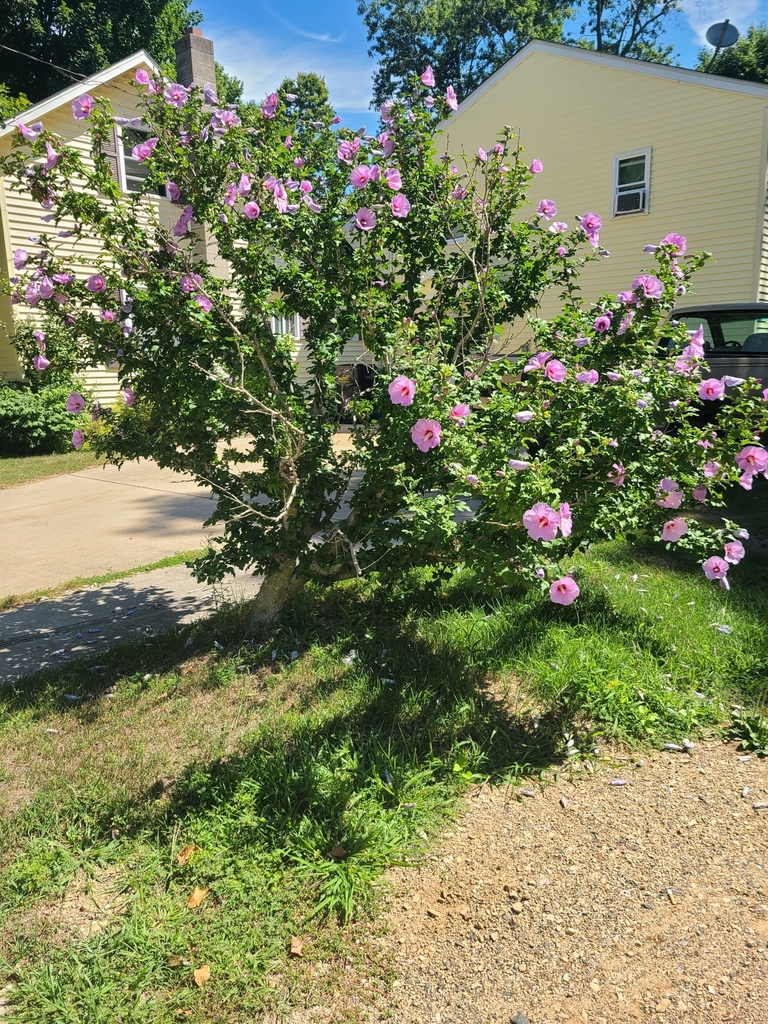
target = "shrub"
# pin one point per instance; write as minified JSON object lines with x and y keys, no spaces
{"x":34,"y":423}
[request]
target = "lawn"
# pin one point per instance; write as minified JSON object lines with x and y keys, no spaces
{"x":25,"y":469}
{"x":278,"y":779}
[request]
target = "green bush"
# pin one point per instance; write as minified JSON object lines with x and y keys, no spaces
{"x":34,"y":423}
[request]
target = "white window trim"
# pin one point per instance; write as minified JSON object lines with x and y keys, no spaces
{"x":295,"y":327}
{"x":614,"y":193}
{"x":121,"y":171}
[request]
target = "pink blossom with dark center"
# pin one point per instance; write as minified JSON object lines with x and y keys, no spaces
{"x":734,"y":552}
{"x":715,"y":568}
{"x":459,"y":413}
{"x":591,"y":223}
{"x":129,"y":396}
{"x":555,"y":371}
{"x":674,"y":529}
{"x":230,"y":194}
{"x":360,"y":176}
{"x":107,"y":316}
{"x":547,"y":208}
{"x":602,"y":324}
{"x":251,"y":210}
{"x":191,"y":283}
{"x":78,"y":439}
{"x":536,"y":167}
{"x":393,"y":179}
{"x":711,"y":389}
{"x":564,"y":591}
{"x":588,"y":377}
{"x":402,"y":390}
{"x":75,"y":402}
{"x":537,"y":362}
{"x":280,"y":197}
{"x":143,"y":151}
{"x":459,"y":192}
{"x":96,"y":283}
{"x":752,"y":459}
{"x":671,"y":500}
{"x":401,"y":207}
{"x":428,"y":77}
{"x":305,"y":187}
{"x":365,"y":219}
{"x":450,"y":98}
{"x":347,"y":150}
{"x":176,"y":95}
{"x":558,"y":227}
{"x":82,"y":107}
{"x":650,"y":286}
{"x":204,"y":302}
{"x":676,"y":242}
{"x":541,"y":521}
{"x":617,"y":475}
{"x":425,"y":434}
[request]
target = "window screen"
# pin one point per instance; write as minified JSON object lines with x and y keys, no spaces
{"x":631,"y":174}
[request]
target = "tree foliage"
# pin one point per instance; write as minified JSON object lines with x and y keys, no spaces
{"x":629,"y":28}
{"x":746,"y":59}
{"x":467,"y":460}
{"x":82,"y":36}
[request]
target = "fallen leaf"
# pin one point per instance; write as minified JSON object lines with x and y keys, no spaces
{"x":297,"y":946}
{"x":338,"y":852}
{"x":196,"y":898}
{"x":186,"y":852}
{"x":202,"y":974}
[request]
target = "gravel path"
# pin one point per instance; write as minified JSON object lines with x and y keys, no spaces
{"x":594,"y":902}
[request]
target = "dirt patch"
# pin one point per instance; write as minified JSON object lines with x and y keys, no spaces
{"x":593,"y":902}
{"x":86,"y":908}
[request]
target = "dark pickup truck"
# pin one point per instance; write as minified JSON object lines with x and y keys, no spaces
{"x":735,"y":337}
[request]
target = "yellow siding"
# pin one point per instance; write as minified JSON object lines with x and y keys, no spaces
{"x":707,"y":162}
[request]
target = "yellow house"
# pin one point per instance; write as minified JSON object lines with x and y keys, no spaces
{"x":21,"y":217}
{"x":650,"y":148}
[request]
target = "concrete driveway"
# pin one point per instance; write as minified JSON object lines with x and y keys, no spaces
{"x":97,"y":521}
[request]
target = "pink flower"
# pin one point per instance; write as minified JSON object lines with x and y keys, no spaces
{"x":525,"y":416}
{"x":269,"y":106}
{"x":305,"y":187}
{"x":425,"y":434}
{"x":482,"y":156}
{"x":39,"y":337}
{"x":555,"y":371}
{"x":129,"y":395}
{"x":174,"y":192}
{"x":96,"y":283}
{"x":450,"y":98}
{"x":251,"y":210}
{"x":537,"y":362}
{"x":519,"y":465}
{"x":20,"y":257}
{"x":459,"y":413}
{"x":700,"y":493}
{"x":53,"y":156}
{"x":602,"y":324}
{"x":558,"y":227}
{"x":547,"y":208}
{"x":711,"y":389}
{"x":191,"y":283}
{"x":63,"y":278}
{"x":82,"y":107}
{"x":181,"y":225}
{"x":78,"y":439}
{"x":588,"y":377}
{"x":244,"y":186}
{"x":46,"y":287}
{"x":40,"y":362}
{"x":715,"y":568}
{"x":347,"y":150}
{"x":360,"y":176}
{"x":141,"y":77}
{"x":393,"y":179}
{"x":401,"y":390}
{"x":75,"y":402}
{"x":566,"y":520}
{"x":765,"y":395}
{"x":401,"y":207}
{"x":591,"y":223}
{"x":30,"y":132}
{"x":564,"y":591}
{"x":674,"y":529}
{"x":365,"y":219}
{"x":107,"y":316}
{"x":176,"y":95}
{"x":536,"y":167}
{"x":625,"y":323}
{"x":280,"y":197}
{"x":650,"y":286}
{"x":428,"y":77}
{"x":613,"y":376}
{"x":541,"y":521}
{"x":204,"y":302}
{"x":617,"y":475}
{"x":143,"y":151}
{"x":753,"y":459}
{"x":676,"y":242}
{"x":230,"y":194}
{"x":734,"y":552}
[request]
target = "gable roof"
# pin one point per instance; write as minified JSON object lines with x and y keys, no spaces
{"x":71,"y":92}
{"x":630,"y":64}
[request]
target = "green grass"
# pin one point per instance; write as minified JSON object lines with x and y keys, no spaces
{"x":267,"y":762}
{"x":17,"y":600}
{"x":25,"y":469}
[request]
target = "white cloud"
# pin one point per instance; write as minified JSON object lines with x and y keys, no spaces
{"x":262,"y":62}
{"x":741,"y":13}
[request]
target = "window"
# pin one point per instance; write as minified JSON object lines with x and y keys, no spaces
{"x":729,"y":332}
{"x":135,"y":173}
{"x":631,"y":182}
{"x":287,"y":325}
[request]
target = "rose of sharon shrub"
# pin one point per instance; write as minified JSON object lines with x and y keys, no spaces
{"x":425,"y":258}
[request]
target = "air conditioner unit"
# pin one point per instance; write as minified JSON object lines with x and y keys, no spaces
{"x":631,"y":202}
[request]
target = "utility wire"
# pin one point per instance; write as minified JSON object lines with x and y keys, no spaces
{"x":73,"y":75}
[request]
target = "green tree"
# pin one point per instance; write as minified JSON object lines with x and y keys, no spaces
{"x":228,"y":88}
{"x":10,"y":106}
{"x":464,"y":42}
{"x":747,"y":59}
{"x":82,"y":36}
{"x":629,"y":28}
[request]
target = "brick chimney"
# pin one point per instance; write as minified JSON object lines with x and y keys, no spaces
{"x":194,"y":59}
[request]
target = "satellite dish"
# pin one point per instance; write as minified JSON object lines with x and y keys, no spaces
{"x":722,"y":34}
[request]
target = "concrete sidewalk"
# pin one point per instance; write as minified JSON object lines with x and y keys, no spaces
{"x":97,"y":521}
{"x":84,"y":621}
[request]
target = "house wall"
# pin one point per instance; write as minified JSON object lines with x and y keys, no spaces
{"x":707,"y":163}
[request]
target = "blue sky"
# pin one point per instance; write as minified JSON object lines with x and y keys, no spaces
{"x":263,"y":41}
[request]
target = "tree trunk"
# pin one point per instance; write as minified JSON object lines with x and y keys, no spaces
{"x":279,"y":587}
